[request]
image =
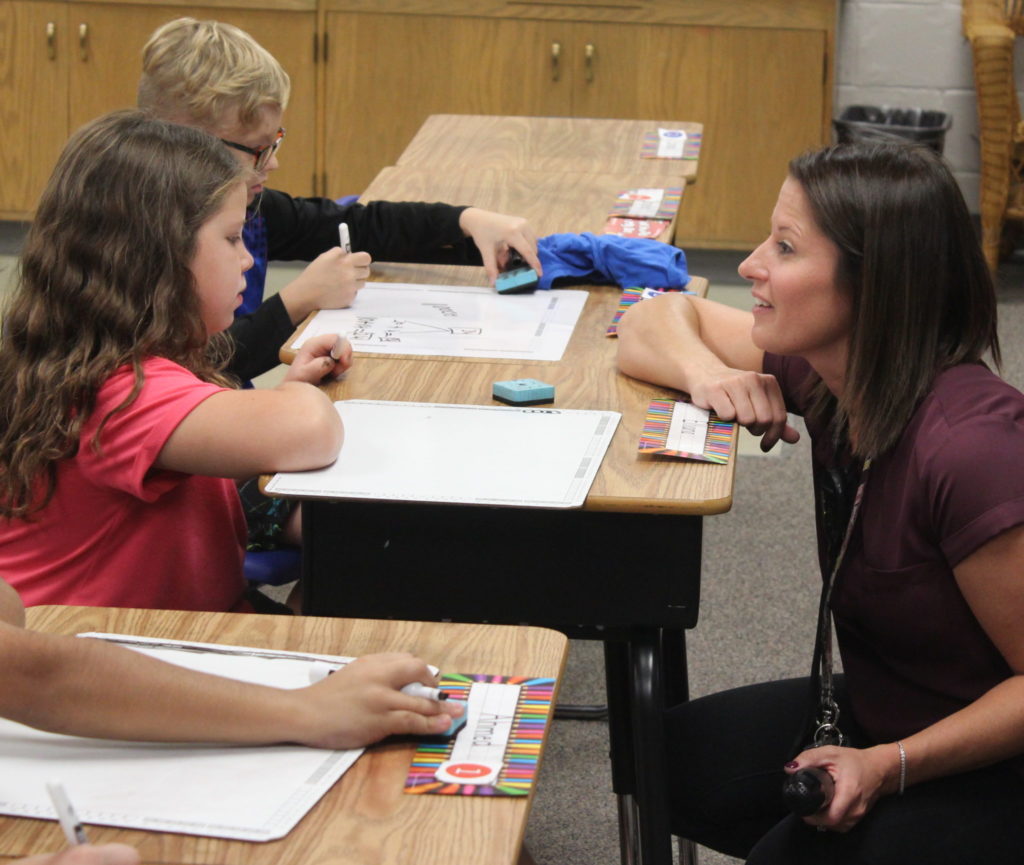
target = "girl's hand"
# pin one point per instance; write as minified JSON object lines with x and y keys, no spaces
{"x":362,"y":703}
{"x":323,"y":356}
{"x":752,"y":399}
{"x":86,"y":854}
{"x":861,"y":776}
{"x":493,"y":234}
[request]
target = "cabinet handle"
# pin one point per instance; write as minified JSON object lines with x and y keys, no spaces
{"x":556,"y":53}
{"x":83,"y":41}
{"x":51,"y":40}
{"x":589,"y":52}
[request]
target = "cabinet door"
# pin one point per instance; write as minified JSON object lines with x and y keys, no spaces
{"x":106,"y":64}
{"x":386,"y":73}
{"x":757,"y":112}
{"x":33,"y":93}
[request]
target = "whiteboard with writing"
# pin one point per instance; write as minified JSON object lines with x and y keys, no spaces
{"x":460,"y":454}
{"x":453,"y":321}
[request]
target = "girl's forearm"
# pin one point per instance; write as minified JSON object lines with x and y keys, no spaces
{"x":90,"y":688}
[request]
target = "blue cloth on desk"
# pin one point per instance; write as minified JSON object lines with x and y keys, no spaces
{"x":608,"y":258}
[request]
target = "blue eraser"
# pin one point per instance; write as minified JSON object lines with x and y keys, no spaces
{"x":523,"y":391}
{"x":521,"y":280}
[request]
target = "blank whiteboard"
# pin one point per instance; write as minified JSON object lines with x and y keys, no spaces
{"x":460,"y":454}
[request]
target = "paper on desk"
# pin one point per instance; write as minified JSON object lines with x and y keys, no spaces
{"x":244,"y":793}
{"x":453,"y":321}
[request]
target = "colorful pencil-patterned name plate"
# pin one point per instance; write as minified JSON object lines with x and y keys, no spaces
{"x":681,"y":429}
{"x":641,"y":228}
{"x":670,"y":144}
{"x":497,"y":752}
{"x":648,"y":203}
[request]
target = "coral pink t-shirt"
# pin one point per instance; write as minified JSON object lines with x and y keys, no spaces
{"x":121,"y":533}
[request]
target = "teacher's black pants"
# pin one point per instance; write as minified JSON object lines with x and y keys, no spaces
{"x":726,"y":753}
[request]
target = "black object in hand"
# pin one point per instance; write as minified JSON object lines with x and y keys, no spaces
{"x":808,"y":791}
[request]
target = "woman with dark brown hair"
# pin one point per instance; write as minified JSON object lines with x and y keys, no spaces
{"x":873,"y":315}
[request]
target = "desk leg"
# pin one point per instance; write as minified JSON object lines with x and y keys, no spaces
{"x":636,"y":699}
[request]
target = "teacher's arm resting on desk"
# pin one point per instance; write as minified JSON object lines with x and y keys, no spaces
{"x":88,"y":687}
{"x":704,"y":349}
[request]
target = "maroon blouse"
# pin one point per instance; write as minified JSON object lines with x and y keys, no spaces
{"x":911,"y":649}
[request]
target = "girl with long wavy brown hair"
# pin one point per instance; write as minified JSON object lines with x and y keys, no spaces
{"x":119,"y":435}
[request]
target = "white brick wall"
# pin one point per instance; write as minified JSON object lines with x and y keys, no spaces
{"x":911,"y":53}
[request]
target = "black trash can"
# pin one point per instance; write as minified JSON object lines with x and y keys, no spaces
{"x":874,"y":123}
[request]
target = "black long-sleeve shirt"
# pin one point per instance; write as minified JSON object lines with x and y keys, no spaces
{"x":300,"y":229}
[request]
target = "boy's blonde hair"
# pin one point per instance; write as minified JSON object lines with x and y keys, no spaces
{"x":199,"y":72}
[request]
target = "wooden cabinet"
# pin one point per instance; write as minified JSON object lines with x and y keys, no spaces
{"x":62,"y":64}
{"x":33,"y":100}
{"x":376,"y":98}
{"x":757,"y":73}
{"x":366,"y":73}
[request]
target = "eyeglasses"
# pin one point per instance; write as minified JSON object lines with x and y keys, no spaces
{"x":261,"y":155}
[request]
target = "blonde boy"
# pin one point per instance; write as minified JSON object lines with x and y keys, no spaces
{"x":216,"y":77}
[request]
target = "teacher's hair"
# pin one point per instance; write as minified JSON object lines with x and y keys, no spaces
{"x":105,"y":280}
{"x":922,"y":297}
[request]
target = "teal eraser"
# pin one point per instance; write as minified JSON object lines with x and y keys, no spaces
{"x":453,"y":728}
{"x":524,"y":391}
{"x":457,"y":723}
{"x":522,"y":280}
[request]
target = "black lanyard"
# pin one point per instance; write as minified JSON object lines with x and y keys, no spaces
{"x":826,"y":716}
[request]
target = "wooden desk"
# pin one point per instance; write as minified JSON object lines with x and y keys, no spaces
{"x":585,"y":378}
{"x":365,"y":819}
{"x":625,"y":569}
{"x":552,"y":201}
{"x":554,"y":144}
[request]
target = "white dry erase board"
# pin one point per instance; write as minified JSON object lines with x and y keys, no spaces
{"x":460,"y":454}
{"x":453,"y":321}
{"x":243,"y":793}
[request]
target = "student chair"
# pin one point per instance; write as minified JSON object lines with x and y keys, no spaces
{"x":992,"y":27}
{"x":272,"y":567}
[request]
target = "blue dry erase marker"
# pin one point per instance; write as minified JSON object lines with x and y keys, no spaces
{"x":69,"y":821}
{"x":344,"y":241}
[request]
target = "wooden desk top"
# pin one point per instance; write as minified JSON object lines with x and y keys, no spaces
{"x":554,"y":202}
{"x":583,"y":144}
{"x":365,"y":819}
{"x":585,"y":378}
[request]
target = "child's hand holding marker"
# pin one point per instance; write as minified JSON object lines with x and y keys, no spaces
{"x":80,"y":852}
{"x":330,"y":281}
{"x":322,"y":356}
{"x":389,"y":697}
{"x":85,"y":854}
